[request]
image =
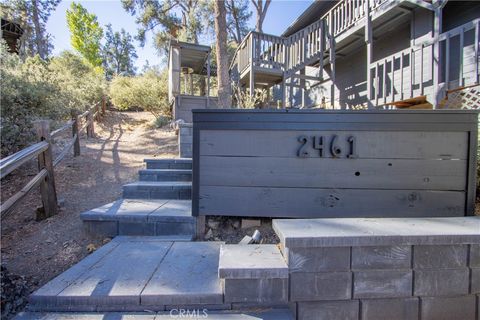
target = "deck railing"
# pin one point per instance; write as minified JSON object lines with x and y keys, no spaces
{"x":411,"y":69}
{"x":291,"y":53}
{"x":42,"y":150}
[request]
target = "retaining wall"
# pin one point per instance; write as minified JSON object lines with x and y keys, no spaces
{"x":383,"y":268}
{"x":185,"y":140}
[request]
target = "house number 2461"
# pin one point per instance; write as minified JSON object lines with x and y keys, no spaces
{"x":333,"y":145}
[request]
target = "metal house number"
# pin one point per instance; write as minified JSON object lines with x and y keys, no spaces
{"x":324,"y":146}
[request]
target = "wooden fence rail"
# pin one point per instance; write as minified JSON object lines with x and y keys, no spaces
{"x":42,"y":150}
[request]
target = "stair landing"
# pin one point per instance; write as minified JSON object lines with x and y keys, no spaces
{"x":138,"y":217}
{"x":137,"y":274}
{"x":280,"y":314}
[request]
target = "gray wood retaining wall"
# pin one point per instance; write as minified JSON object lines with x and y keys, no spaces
{"x":292,"y":163}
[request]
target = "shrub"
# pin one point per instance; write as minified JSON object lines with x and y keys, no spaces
{"x":33,"y":88}
{"x":148,"y":91}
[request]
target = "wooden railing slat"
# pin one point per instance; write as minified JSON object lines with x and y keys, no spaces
{"x":15,"y":160}
{"x":65,"y":150}
{"x":10,"y":204}
{"x":59,"y":131}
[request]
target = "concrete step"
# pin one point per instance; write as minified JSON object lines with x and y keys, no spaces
{"x":253,"y":274}
{"x":180,"y":190}
{"x":194,"y":314}
{"x":132,"y":275}
{"x":177,"y":163}
{"x":138,"y":217}
{"x":251,"y":262}
{"x":165,"y":175}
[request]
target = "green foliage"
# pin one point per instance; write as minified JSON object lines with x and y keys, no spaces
{"x":32,"y":16}
{"x":148,"y":91}
{"x":85,"y":33}
{"x":161,"y":121}
{"x":184,"y":20}
{"x":35,"y":88}
{"x":118,"y":53}
{"x":238,"y":15}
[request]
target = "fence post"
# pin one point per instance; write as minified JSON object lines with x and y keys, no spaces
{"x":98,"y":111}
{"x":90,"y":128}
{"x":76,"y":144}
{"x":104,"y":105}
{"x":45,"y":161}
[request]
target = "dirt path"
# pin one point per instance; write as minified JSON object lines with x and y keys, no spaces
{"x":42,"y":250}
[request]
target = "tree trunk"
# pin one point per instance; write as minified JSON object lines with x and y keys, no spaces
{"x":261,"y":13}
{"x":39,"y":41}
{"x":223,"y":78}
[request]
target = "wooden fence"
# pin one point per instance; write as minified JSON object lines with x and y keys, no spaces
{"x":46,"y":163}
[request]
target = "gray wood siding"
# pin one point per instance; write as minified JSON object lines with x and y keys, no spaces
{"x":406,"y":164}
{"x":324,"y":203}
{"x":371,"y":145}
{"x":334,"y":173}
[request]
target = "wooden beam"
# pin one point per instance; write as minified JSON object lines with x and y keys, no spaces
{"x":369,"y":42}
{"x":305,"y":77}
{"x":437,"y":30}
{"x":423,"y":4}
{"x":45,"y":161}
{"x":208,"y":80}
{"x":332,"y":63}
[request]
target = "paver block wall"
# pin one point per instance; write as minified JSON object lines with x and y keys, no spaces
{"x":185,"y":140}
{"x":376,"y":275}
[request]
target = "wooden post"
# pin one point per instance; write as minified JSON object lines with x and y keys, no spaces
{"x":252,"y":80}
{"x":76,"y":144}
{"x":104,"y":105}
{"x":437,"y":30}
{"x":208,"y":80}
{"x":45,"y":161}
{"x":332,"y":63}
{"x":369,"y":41}
{"x":90,"y":128}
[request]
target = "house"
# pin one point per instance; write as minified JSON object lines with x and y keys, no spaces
{"x":11,"y":32}
{"x":189,"y":73}
{"x":364,"y":53}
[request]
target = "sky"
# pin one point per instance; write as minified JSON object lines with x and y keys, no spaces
{"x":280,"y":15}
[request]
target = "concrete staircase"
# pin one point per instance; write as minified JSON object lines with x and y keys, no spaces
{"x":162,"y":179}
{"x":159,"y":204}
{"x":161,"y":275}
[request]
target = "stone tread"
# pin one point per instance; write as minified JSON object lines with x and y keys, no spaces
{"x":251,"y":262}
{"x":165,"y":175}
{"x":150,"y":184}
{"x":275,"y":314}
{"x":188,"y":276}
{"x":375,"y":231}
{"x":170,"y":160}
{"x":178,"y":163}
{"x":131,"y":273}
{"x":140,"y":210}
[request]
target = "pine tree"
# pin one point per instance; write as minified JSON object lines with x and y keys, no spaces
{"x":118,"y":53}
{"x":223,"y":78}
{"x":261,"y":13}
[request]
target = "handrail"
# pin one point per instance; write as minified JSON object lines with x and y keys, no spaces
{"x":60,"y":130}
{"x":15,"y":160}
{"x":65,"y":150}
{"x":10,"y":204}
{"x":341,"y":17}
{"x":43,"y":150}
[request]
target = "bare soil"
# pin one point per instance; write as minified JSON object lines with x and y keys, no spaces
{"x":40,"y":250}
